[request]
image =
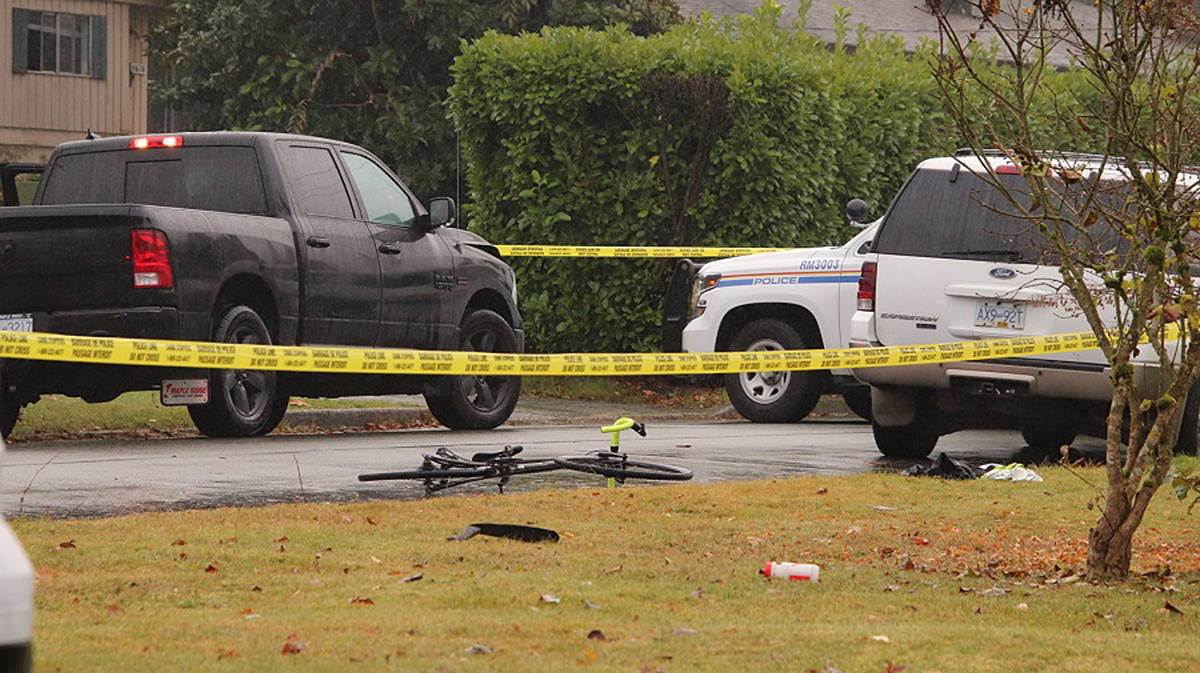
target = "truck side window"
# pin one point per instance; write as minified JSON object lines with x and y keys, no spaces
{"x":384,"y":200}
{"x":317,"y":186}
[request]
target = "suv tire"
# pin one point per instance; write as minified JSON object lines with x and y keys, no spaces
{"x":858,"y":399}
{"x":774,"y":397}
{"x":1187,"y":443}
{"x":913,"y":440}
{"x":1047,"y":436}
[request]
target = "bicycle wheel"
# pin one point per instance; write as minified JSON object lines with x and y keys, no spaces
{"x":622,"y":468}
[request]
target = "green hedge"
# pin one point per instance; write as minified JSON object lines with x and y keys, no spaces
{"x":719,"y":132}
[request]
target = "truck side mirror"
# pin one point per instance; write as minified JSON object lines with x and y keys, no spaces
{"x":858,"y":211}
{"x":442,"y":212}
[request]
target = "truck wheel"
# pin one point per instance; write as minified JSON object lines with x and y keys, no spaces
{"x":241,"y":403}
{"x":1188,"y":441}
{"x":10,"y":410}
{"x":479,"y":402}
{"x":1047,"y":436}
{"x":774,"y":397}
{"x":914,"y":440}
{"x":859,"y":401}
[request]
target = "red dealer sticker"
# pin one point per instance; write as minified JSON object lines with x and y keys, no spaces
{"x":184,"y":391}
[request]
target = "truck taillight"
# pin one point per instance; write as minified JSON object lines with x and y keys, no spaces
{"x":866,"y":287}
{"x":151,"y":259}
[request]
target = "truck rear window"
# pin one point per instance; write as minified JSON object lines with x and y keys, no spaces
{"x":225,"y":179}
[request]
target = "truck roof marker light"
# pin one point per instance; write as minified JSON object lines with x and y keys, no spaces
{"x":147,"y":142}
{"x":1007,"y":169}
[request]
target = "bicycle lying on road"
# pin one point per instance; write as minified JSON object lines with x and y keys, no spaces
{"x":444,"y":468}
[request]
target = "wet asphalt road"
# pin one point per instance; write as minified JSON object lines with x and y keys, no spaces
{"x":98,"y":478}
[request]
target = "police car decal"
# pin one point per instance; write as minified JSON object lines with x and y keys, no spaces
{"x":811,"y":271}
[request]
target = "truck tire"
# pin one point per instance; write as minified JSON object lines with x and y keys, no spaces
{"x":10,"y":410}
{"x":479,"y":402}
{"x":241,"y":403}
{"x":1187,"y":443}
{"x":913,"y":440}
{"x":774,"y":397}
{"x":1047,"y":436}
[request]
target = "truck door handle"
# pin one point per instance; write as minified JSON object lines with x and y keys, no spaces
{"x":390,"y":248}
{"x":317,"y":242}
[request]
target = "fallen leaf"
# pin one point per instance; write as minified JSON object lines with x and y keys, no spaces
{"x":596,"y":634}
{"x":291,"y":645}
{"x":371,"y":521}
{"x":375,"y":560}
{"x":698,"y":593}
{"x":113,"y":609}
{"x":822,"y":491}
{"x":210,"y":568}
{"x":479,"y":649}
{"x":1022,"y":606}
{"x":881,"y":639}
{"x":589,"y":654}
{"x":1171,"y":608}
{"x":613,"y":570}
{"x":590,"y":605}
{"x":891,"y":587}
{"x":256,"y":588}
{"x":550,"y":598}
{"x":69,"y":544}
{"x":682,"y":632}
{"x":178,"y":543}
{"x":362,"y":601}
{"x":248,"y":611}
{"x":223,"y":653}
{"x":412,"y":578}
{"x":282,"y":539}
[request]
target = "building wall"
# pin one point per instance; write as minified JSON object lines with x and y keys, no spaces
{"x":38,"y":110}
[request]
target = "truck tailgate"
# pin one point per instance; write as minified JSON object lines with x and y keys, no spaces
{"x":57,"y":258}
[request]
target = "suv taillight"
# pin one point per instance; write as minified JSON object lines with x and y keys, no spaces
{"x":151,"y":259}
{"x":866,"y":287}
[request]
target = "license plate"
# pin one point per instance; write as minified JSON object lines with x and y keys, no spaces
{"x":177,"y":392}
{"x":1004,"y":314}
{"x":16,"y":322}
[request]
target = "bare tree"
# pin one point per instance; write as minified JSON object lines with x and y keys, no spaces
{"x":1121,"y":224}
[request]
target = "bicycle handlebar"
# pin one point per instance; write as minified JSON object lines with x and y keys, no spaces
{"x":622,"y":423}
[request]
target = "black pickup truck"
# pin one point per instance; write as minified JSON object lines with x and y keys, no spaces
{"x":251,"y":238}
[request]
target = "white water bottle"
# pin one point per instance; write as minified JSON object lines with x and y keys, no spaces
{"x":803,"y":572}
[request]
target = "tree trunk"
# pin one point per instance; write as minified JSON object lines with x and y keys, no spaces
{"x":1110,"y":543}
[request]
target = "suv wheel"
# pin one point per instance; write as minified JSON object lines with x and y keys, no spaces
{"x":913,"y":440}
{"x":858,"y":399}
{"x":774,"y":397}
{"x":1188,"y":441}
{"x":1047,"y":436}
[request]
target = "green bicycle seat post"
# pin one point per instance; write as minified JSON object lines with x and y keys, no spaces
{"x":622,"y":423}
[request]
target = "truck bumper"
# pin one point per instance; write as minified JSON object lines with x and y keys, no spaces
{"x":96,"y":382}
{"x":150,"y":322}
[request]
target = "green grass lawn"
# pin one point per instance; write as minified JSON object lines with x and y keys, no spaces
{"x":927,"y":574}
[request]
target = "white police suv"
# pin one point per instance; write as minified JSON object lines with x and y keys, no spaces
{"x":788,"y":300}
{"x":952,"y":264}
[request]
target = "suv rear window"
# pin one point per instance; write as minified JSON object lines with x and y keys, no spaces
{"x":940,"y":214}
{"x":225,"y":179}
{"x":956,"y":214}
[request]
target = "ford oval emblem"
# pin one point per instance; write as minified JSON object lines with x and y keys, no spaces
{"x":1002,"y":273}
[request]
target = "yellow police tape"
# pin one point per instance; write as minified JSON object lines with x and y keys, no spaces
{"x":120,"y":351}
{"x":643,"y":251}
